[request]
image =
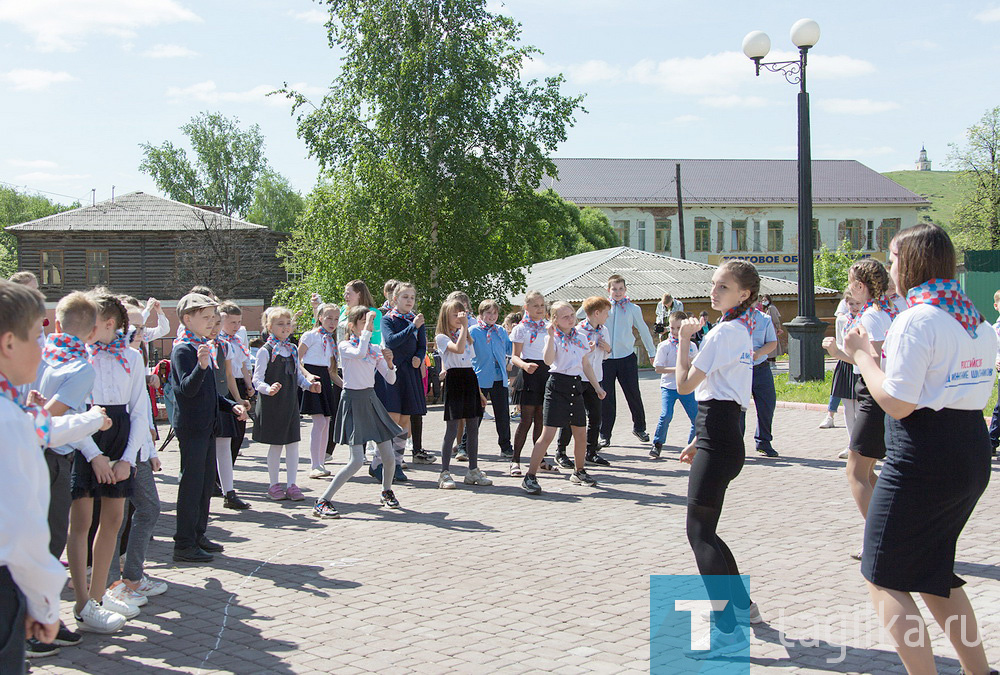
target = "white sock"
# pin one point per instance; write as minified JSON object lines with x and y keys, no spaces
{"x":224,"y":463}
{"x":292,"y":462}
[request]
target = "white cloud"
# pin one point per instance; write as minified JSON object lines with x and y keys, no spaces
{"x":685,"y":119}
{"x":311,"y":16}
{"x":990,"y":15}
{"x":168,"y":52}
{"x":45,"y":176}
{"x":32,"y":163}
{"x":855,"y":106}
{"x":30,"y":79}
{"x":734,"y":101}
{"x":593,"y":71}
{"x":208,"y":92}
{"x":689,"y":75}
{"x":856,"y":153}
{"x":63,"y":25}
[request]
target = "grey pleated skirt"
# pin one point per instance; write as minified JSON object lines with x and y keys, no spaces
{"x":361,"y":417}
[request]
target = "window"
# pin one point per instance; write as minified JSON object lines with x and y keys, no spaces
{"x":622,"y":230}
{"x":97,"y":268}
{"x":739,"y":229}
{"x":720,"y":240}
{"x":640,"y":231}
{"x":852,"y":232}
{"x":662,"y":236}
{"x":775,"y":235}
{"x":702,"y":234}
{"x":889,"y":229}
{"x":293,"y":277}
{"x":870,"y":236}
{"x":756,"y":235}
{"x":816,"y":241}
{"x":52,"y":268}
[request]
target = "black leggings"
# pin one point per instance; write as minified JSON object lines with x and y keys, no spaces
{"x":417,"y":431}
{"x":530,"y":414}
{"x":471,"y":442}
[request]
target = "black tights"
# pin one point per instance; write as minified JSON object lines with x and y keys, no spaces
{"x":716,"y":563}
{"x":471,"y":442}
{"x":417,"y":431}
{"x":529,"y":414}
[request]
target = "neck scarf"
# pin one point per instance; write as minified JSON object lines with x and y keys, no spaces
{"x":852,"y":318}
{"x":373,"y":351}
{"x":63,"y":348}
{"x":409,"y":316}
{"x":946,"y":294}
{"x":385,"y":307}
{"x":287,"y":343}
{"x":748,"y":318}
{"x":188,"y":337}
{"x":592,"y":332}
{"x":675,"y":341}
{"x":234,"y":342}
{"x":888,"y":306}
{"x":116,"y":348}
{"x":621,"y":304}
{"x":40,"y":416}
{"x":571,"y":338}
{"x":490,"y":330}
{"x":329,"y":339}
{"x":534,"y":327}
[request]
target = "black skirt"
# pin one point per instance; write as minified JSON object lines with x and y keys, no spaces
{"x":868,"y":435}
{"x":113,"y":442}
{"x":721,"y":452}
{"x":844,"y":381}
{"x":322,"y":403}
{"x":461,"y":394}
{"x":564,"y":406}
{"x":406,"y":395}
{"x":936,"y":469}
{"x":529,"y":388}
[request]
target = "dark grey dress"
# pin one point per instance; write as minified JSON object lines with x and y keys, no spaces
{"x":277,"y":420}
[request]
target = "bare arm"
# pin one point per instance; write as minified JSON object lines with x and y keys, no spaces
{"x":688,"y":377}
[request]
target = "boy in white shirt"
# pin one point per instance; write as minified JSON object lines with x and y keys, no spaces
{"x":665,"y":364}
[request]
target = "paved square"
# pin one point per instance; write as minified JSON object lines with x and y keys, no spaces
{"x":490,"y":579}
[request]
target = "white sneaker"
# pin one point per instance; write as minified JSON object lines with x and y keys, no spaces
{"x":827,"y":423}
{"x":409,"y":444}
{"x":844,"y":454}
{"x":109,"y":601}
{"x":477,"y":477}
{"x":487,"y":415}
{"x":96,"y":619}
{"x":446,"y":482}
{"x":319,"y":473}
{"x":718,"y":644}
{"x":119,"y":591}
{"x":150,"y":587}
{"x":515,"y":470}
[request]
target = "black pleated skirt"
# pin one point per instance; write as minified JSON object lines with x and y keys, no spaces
{"x":322,"y":403}
{"x":844,"y":381}
{"x":937,"y":467}
{"x":529,"y":388}
{"x":461,"y":394}
{"x":113,"y":442}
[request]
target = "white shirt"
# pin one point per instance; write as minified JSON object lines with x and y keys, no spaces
{"x":260,"y":385}
{"x":320,"y":352}
{"x":24,"y":507}
{"x":450,"y":359}
{"x":569,"y":359}
{"x":162,"y":328}
{"x":726,"y":358}
{"x":876,"y":323}
{"x":932,"y":361}
{"x":598,"y":355}
{"x":840,"y":329}
{"x":530,"y":349}
{"x":359,"y":372}
{"x":114,"y":386}
{"x":666,"y":357}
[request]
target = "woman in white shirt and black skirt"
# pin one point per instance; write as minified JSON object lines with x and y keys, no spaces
{"x":939,"y":374}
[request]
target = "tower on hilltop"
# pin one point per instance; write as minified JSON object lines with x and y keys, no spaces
{"x":923,"y":164}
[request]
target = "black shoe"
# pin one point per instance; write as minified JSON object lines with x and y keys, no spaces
{"x":210,"y":546}
{"x":398,"y":476}
{"x":582,"y":478}
{"x":233,"y":502}
{"x":66,"y":637}
{"x":594,"y":458}
{"x":375,"y":473}
{"x":564,"y":461}
{"x":389,"y":500}
{"x":217,"y":491}
{"x":33,"y":649}
{"x":641,"y":435}
{"x":604,"y":442}
{"x":530,"y":485}
{"x":768,"y":452}
{"x":656,"y":450}
{"x":506,"y":453}
{"x":195,"y":554}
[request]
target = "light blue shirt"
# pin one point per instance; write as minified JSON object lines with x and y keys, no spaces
{"x":763,"y":332}
{"x":490,"y":358}
{"x":70,"y":384}
{"x":620,"y":323}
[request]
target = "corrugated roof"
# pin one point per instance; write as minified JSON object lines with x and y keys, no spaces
{"x":135,"y":211}
{"x":721,"y":181}
{"x":648,"y":275}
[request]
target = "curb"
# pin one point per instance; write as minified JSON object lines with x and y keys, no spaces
{"x":796,"y":405}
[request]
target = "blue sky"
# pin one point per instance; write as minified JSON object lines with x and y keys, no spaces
{"x":84,"y":82}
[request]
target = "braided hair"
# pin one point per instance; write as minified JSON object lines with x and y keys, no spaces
{"x":109,"y":306}
{"x":872,"y":274}
{"x":748,"y":279}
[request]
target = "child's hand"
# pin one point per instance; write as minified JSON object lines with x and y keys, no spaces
{"x":387,"y":355}
{"x":688,"y":453}
{"x":415,"y":362}
{"x":830,"y":345}
{"x":856,"y":340}
{"x":315,"y":301}
{"x":35,"y":398}
{"x":605,"y":346}
{"x":689,"y":327}
{"x":105,"y":420}
{"x":240,"y":411}
{"x":274,"y":389}
{"x":43,"y":632}
{"x":601,"y":393}
{"x":245,"y":403}
{"x":102,"y":470}
{"x":315,"y":387}
{"x":153,"y":380}
{"x":530,"y":368}
{"x":204,"y":356}
{"x":418,"y":321}
{"x":122,"y":470}
{"x":370,"y":321}
{"x":155,"y":464}
{"x":551,"y":330}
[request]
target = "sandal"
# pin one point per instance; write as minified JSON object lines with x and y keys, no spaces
{"x":515,"y":470}
{"x":545,"y":466}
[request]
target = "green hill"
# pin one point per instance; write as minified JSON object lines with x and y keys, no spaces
{"x":944,"y":189}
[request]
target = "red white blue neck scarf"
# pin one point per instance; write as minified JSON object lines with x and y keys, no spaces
{"x":40,"y":416}
{"x":888,"y":306}
{"x":534,"y":328}
{"x":572,"y":338}
{"x":593,"y":332}
{"x":373,"y":351}
{"x":621,"y":304}
{"x":489,"y":329}
{"x":329,"y":339}
{"x":852,"y":318}
{"x":946,"y":294}
{"x":188,"y":337}
{"x":748,"y":318}
{"x":116,"y":348}
{"x":409,"y":316}
{"x":675,"y":341}
{"x":63,"y":348}
{"x":286,"y":343}
{"x":234,"y":342}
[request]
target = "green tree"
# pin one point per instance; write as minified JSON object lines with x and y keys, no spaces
{"x":20,"y":207}
{"x":227,"y":166}
{"x":276,"y":204}
{"x":596,"y":229}
{"x":831,"y":267}
{"x":433,"y":147}
{"x":977,"y":218}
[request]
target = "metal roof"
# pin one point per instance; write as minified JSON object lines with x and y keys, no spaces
{"x":648,"y":275}
{"x":721,"y":181}
{"x":134,"y":212}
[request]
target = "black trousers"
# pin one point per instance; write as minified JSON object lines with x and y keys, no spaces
{"x":593,"y":405}
{"x":12,"y":609}
{"x":499,"y":397}
{"x":626,"y":371}
{"x":194,"y":490}
{"x":236,"y":442}
{"x":60,"y":468}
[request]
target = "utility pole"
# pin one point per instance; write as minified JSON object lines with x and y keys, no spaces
{"x":680,"y":212}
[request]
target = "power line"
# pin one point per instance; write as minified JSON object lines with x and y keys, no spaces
{"x":26,"y":188}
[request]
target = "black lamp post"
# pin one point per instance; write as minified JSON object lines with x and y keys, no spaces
{"x":805,"y":331}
